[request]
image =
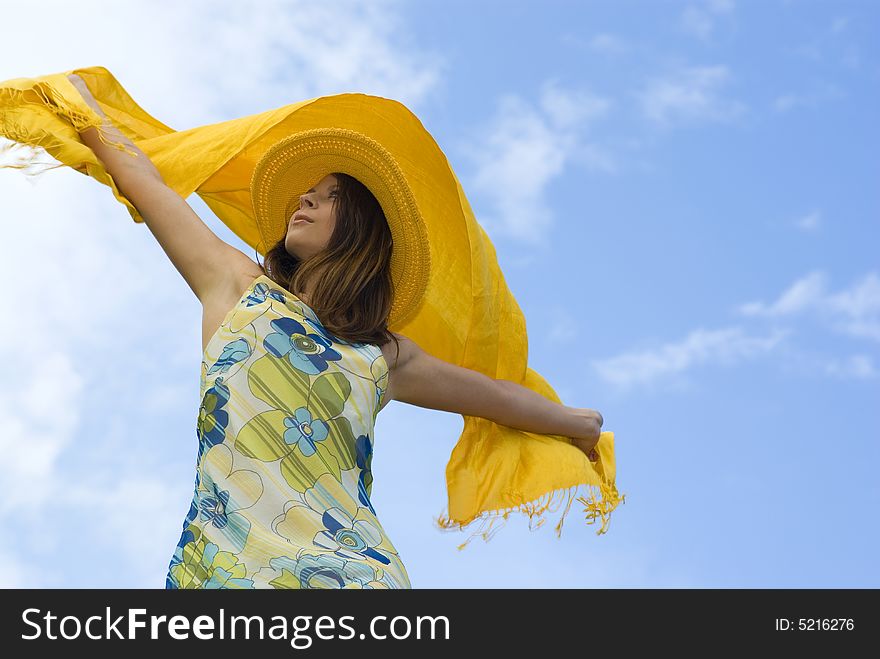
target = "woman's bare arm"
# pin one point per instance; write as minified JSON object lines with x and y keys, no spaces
{"x":422,"y":379}
{"x":211,"y":267}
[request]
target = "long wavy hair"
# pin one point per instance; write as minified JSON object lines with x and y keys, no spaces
{"x":352,"y":296}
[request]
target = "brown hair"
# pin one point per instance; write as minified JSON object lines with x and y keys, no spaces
{"x":352,"y":296}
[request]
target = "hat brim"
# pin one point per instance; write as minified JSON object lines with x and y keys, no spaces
{"x":294,"y":164}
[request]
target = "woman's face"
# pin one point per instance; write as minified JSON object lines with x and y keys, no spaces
{"x":309,"y":235}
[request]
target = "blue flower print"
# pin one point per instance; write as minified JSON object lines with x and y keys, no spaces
{"x":305,"y":431}
{"x":186,"y":537}
{"x":217,"y":510}
{"x":225,"y":493}
{"x":214,"y":507}
{"x":306,"y":352}
{"x":364,"y":459}
{"x":322,"y":331}
{"x":316,"y":571}
{"x":261,"y":292}
{"x":350,"y":537}
{"x":233,"y":352}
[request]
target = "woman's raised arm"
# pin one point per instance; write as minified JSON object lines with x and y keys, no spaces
{"x":114,"y":160}
{"x":211,"y":267}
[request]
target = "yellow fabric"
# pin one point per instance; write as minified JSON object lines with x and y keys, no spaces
{"x":469,"y":317}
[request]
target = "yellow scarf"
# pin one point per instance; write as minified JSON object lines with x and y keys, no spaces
{"x":493,"y":470}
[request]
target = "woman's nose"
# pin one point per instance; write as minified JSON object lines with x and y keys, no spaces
{"x":304,"y":201}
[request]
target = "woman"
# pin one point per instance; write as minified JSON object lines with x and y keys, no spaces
{"x":298,"y":360}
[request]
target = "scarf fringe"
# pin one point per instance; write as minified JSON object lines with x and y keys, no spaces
{"x":24,"y":136}
{"x":599,"y":504}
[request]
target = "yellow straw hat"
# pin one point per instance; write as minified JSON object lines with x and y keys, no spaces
{"x":292,"y":166}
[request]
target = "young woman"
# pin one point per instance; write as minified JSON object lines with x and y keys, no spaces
{"x":298,"y":360}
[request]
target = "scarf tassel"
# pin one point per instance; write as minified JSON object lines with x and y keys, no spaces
{"x":47,"y":96}
{"x":600,"y":505}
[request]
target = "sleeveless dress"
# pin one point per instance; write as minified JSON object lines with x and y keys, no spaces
{"x":285,"y":445}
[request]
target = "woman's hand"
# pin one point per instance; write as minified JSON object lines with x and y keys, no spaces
{"x":591,"y":421}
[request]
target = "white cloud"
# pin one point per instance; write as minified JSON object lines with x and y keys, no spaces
{"x":854,"y":311}
{"x":197,"y":62}
{"x":809,"y":222}
{"x":525,"y":147}
{"x":809,"y":51}
{"x":726,"y":346}
{"x":692,"y":93}
{"x":857,"y":310}
{"x":804,"y":293}
{"x":854,"y":367}
{"x":563,"y":328}
{"x":700,"y":21}
{"x":39,"y":415}
{"x":16,"y":574}
{"x":830,"y":43}
{"x":851,"y":58}
{"x":839,"y":24}
{"x":785,"y":102}
{"x":128,"y":509}
{"x":697,"y":22}
{"x":608,"y":44}
{"x":823,"y":91}
{"x":721,"y":6}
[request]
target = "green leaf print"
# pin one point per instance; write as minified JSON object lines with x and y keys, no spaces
{"x":287,"y":580}
{"x":268,"y":376}
{"x":341,"y":442}
{"x":262,"y":437}
{"x":330,"y":392}
{"x":300,"y":472}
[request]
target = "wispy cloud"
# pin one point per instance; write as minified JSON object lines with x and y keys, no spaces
{"x":809,"y":222}
{"x":260,"y":56}
{"x":833,"y":42}
{"x":16,"y":574}
{"x":523,"y":148}
{"x":690,"y":94}
{"x":851,"y":58}
{"x":839,"y":24}
{"x":803,"y":294}
{"x":563,"y":327}
{"x":608,"y":44}
{"x":700,"y":347}
{"x":700,"y":20}
{"x":855,"y":367}
{"x":854,"y":311}
{"x":822,"y":91}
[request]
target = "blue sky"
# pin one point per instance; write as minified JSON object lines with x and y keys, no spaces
{"x":683,"y":198}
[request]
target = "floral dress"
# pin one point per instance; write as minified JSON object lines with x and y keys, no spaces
{"x":285,"y":443}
